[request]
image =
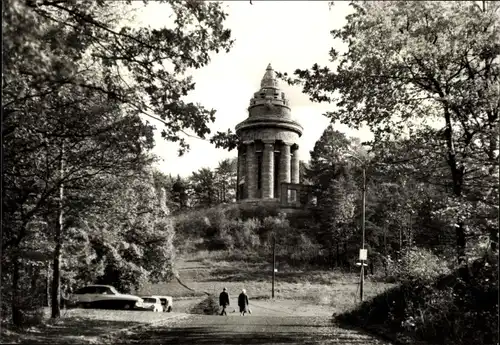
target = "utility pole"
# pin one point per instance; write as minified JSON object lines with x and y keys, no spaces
{"x":274,"y":264}
{"x":362,"y":252}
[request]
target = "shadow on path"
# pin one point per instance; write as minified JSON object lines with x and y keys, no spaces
{"x":211,"y":330}
{"x":71,"y":331}
{"x":203,"y":336}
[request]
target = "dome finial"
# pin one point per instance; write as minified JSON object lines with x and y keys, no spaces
{"x":269,"y":79}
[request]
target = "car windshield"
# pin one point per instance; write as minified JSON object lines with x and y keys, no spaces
{"x":113,"y":290}
{"x":149,"y":300}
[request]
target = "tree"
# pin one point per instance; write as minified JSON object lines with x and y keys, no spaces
{"x":335,"y":189}
{"x":143,"y":68}
{"x":163,"y":185}
{"x":226,"y":180}
{"x":414,"y":63}
{"x":67,"y":147}
{"x":179,"y":193}
{"x":121,"y":235}
{"x":203,"y":183}
{"x":67,"y":66}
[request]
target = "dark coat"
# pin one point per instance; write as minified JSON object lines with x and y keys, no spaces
{"x":242,"y":300}
{"x":224,"y":298}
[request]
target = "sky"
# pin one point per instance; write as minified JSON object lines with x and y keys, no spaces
{"x":287,"y":34}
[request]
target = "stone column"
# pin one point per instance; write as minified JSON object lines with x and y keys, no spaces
{"x":268,"y":170}
{"x":284,"y":165}
{"x":240,"y":171}
{"x":295,"y":165}
{"x":251,"y":173}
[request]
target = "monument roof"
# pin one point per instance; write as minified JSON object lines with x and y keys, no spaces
{"x":269,"y":79}
{"x":269,"y":107}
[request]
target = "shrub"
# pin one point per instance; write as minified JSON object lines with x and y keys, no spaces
{"x":260,"y":211}
{"x":458,"y":308}
{"x":35,"y":317}
{"x":417,"y":264}
{"x":246,"y":233}
{"x":189,"y":226}
{"x":223,"y":239}
{"x":209,"y":306}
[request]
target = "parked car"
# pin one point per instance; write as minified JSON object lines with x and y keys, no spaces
{"x":166,"y":302}
{"x":104,"y":297}
{"x":151,"y":303}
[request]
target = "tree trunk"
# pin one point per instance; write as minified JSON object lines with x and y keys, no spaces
{"x":331,"y":257}
{"x":457,"y":174}
{"x":56,"y":283}
{"x":344,"y":256}
{"x":494,"y":239}
{"x":56,"y":271}
{"x":400,"y":242}
{"x":385,"y":241}
{"x":461,"y":243}
{"x":409,"y":240}
{"x":15,"y":304}
{"x":337,"y":259}
{"x":47,"y":287}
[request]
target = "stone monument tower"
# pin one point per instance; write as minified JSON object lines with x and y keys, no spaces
{"x":268,"y":155}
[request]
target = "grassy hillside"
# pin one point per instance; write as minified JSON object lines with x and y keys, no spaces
{"x":310,"y":292}
{"x":249,"y":231}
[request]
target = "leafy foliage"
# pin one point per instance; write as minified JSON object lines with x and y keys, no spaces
{"x":130,"y":240}
{"x":423,"y":73}
{"x":77,"y":81}
{"x":241,"y":229}
{"x":141,"y":68}
{"x":437,"y":310}
{"x":423,"y":77}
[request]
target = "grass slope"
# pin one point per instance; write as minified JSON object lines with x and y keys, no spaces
{"x":208,"y":272}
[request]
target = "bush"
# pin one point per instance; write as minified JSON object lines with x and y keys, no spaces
{"x":417,"y":264}
{"x":246,"y":233}
{"x":260,"y":211}
{"x":458,"y":308}
{"x":245,"y":228}
{"x":35,"y":317}
{"x":189,"y":226}
{"x":209,"y":306}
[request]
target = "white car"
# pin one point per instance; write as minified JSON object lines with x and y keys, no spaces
{"x":166,"y":302}
{"x":105,"y":297}
{"x":151,"y":303}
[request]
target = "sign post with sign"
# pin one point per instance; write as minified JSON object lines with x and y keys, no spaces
{"x":363,"y":255}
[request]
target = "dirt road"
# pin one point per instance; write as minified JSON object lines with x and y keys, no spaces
{"x":266,"y":325}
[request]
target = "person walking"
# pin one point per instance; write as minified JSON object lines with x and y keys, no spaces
{"x":243,"y":302}
{"x":224,"y":301}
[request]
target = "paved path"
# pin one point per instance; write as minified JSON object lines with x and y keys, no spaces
{"x":266,"y":325}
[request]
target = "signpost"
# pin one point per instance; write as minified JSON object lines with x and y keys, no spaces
{"x":363,"y":255}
